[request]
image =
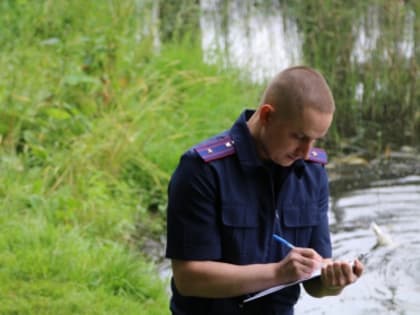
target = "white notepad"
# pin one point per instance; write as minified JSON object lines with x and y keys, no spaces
{"x":315,"y":274}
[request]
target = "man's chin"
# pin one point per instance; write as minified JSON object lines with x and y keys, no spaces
{"x":286,"y":162}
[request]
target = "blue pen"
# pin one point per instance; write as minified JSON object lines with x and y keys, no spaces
{"x":283,"y":241}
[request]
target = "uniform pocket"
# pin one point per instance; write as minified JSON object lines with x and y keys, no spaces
{"x":239,"y":233}
{"x":299,"y":221}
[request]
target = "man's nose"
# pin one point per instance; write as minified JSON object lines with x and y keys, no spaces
{"x":305,"y":149}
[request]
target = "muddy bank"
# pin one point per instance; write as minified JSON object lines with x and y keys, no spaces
{"x":356,"y":171}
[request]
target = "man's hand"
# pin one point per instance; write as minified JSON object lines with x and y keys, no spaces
{"x":335,"y":276}
{"x":338,"y":274}
{"x":299,"y":264}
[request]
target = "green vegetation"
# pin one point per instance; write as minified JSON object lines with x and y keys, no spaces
{"x":92,"y":123}
{"x":93,"y":118}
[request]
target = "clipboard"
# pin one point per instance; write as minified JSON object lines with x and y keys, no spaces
{"x":315,"y":274}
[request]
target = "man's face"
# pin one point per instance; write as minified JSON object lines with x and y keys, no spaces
{"x":286,"y":140}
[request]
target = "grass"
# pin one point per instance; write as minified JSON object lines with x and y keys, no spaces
{"x":50,"y":270}
{"x":62,"y":256}
{"x":92,"y":123}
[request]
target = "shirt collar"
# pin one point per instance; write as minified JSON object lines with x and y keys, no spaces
{"x":245,"y":147}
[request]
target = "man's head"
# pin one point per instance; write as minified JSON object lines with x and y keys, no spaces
{"x":298,"y":87}
{"x":296,"y":109}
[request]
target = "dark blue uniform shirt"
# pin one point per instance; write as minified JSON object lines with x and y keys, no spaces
{"x":227,"y":208}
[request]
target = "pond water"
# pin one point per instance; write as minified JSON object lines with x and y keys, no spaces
{"x":258,"y":39}
{"x":261,"y":38}
{"x":391,"y":282}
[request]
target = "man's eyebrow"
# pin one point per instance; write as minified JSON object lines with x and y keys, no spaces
{"x":303,"y":135}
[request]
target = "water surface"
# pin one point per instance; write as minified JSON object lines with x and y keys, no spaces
{"x":391,"y":282}
{"x":262,"y":37}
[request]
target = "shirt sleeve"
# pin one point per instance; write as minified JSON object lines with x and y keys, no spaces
{"x":192,"y":229}
{"x":321,"y":240}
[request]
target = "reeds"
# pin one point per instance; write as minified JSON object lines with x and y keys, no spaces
{"x":369,"y":53}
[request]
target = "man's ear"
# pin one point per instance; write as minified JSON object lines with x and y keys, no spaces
{"x":266,"y":113}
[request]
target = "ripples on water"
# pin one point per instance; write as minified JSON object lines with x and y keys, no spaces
{"x":391,"y":281}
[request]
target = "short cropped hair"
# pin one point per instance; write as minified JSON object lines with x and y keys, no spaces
{"x":297,"y":87}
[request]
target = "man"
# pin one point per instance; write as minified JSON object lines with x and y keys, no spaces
{"x":231,"y":193}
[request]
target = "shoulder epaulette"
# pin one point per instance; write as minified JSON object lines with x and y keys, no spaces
{"x":318,"y":155}
{"x":215,"y":149}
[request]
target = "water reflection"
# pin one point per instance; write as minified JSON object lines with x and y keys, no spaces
{"x":391,"y":283}
{"x":368,"y":33}
{"x":260,"y":38}
{"x":252,"y":37}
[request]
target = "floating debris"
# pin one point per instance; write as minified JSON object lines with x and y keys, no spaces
{"x":382,"y":238}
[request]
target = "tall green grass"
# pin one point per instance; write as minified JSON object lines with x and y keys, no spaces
{"x":92,"y":121}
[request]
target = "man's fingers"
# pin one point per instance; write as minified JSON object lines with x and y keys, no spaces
{"x":305,"y":260}
{"x":300,"y":263}
{"x":358,"y":268}
{"x":309,"y":253}
{"x":343,"y":274}
{"x":340,"y":274}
